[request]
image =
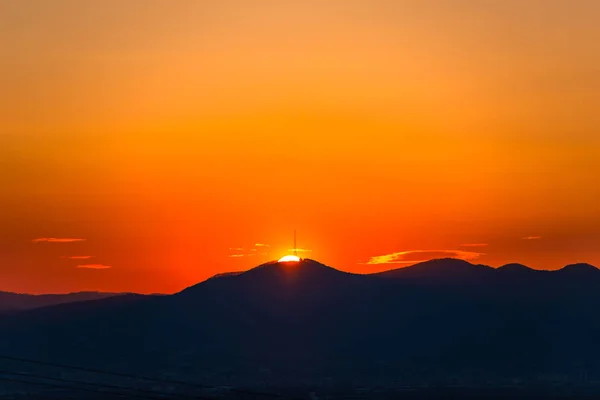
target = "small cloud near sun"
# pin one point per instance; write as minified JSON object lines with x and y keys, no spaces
{"x":251,"y":251}
{"x":300,"y":250}
{"x":94,"y":266}
{"x":417,"y":256}
{"x":532,"y":238}
{"x":57,"y":240}
{"x":474,"y":245}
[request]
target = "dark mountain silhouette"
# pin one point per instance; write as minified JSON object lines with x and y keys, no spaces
{"x":517,"y":269}
{"x":443,"y":322}
{"x":442,"y":271}
{"x":521,"y":278}
{"x":226,"y":274}
{"x":580,"y":269}
{"x":293,"y":280}
{"x":19,"y":302}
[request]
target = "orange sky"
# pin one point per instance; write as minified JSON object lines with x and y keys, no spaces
{"x":168,"y":135}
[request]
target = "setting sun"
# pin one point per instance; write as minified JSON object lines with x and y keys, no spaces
{"x":289,"y":259}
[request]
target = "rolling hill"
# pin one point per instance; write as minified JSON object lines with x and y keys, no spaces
{"x":10,"y":302}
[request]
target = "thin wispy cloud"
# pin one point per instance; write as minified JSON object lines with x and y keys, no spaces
{"x":78,"y":257}
{"x":251,"y":254}
{"x":57,"y":240}
{"x":532,"y":238}
{"x":474,"y":245}
{"x":251,"y":251}
{"x":301,"y":250}
{"x":417,"y":256}
{"x":94,"y":266}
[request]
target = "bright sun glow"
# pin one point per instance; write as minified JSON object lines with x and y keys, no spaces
{"x":289,"y":259}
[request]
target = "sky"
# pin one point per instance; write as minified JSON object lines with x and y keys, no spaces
{"x":146,"y":145}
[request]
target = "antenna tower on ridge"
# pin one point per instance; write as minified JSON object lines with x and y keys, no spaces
{"x":295,"y":247}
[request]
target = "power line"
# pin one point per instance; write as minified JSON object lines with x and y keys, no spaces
{"x":103,"y":385}
{"x":146,"y":378}
{"x":66,"y":387}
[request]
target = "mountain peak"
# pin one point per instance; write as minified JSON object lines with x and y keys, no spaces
{"x":579,"y":268}
{"x":305,"y":267}
{"x":515,"y":268}
{"x":443,"y":268}
{"x":273,"y":276}
{"x":447,"y":263}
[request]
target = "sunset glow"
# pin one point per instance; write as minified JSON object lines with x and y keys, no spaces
{"x":173,"y":141}
{"x":285,"y":259}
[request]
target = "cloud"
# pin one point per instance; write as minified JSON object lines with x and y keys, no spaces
{"x":417,"y":256}
{"x":94,"y":266}
{"x":254,"y":250}
{"x":532,"y":238}
{"x":246,"y":255}
{"x":301,"y":250}
{"x":78,"y":257}
{"x":474,"y":245}
{"x":57,"y":240}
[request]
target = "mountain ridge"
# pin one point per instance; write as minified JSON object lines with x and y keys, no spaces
{"x":10,"y":302}
{"x":442,"y":266}
{"x":306,"y":322}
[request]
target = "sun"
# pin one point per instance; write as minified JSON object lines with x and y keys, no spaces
{"x":289,"y":259}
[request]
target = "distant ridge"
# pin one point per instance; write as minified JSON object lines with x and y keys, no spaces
{"x":441,"y":271}
{"x":445,"y":267}
{"x":20,"y":301}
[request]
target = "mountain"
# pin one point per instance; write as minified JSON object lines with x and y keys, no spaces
{"x":10,"y":302}
{"x":516,"y":268}
{"x":580,"y":269}
{"x":441,"y":271}
{"x":273,"y":279}
{"x":443,"y":322}
{"x":226,"y":274}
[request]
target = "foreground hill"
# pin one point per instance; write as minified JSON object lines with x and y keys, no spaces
{"x":440,"y":322}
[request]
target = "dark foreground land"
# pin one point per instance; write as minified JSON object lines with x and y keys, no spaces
{"x":356,"y":394}
{"x":511,"y":332}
